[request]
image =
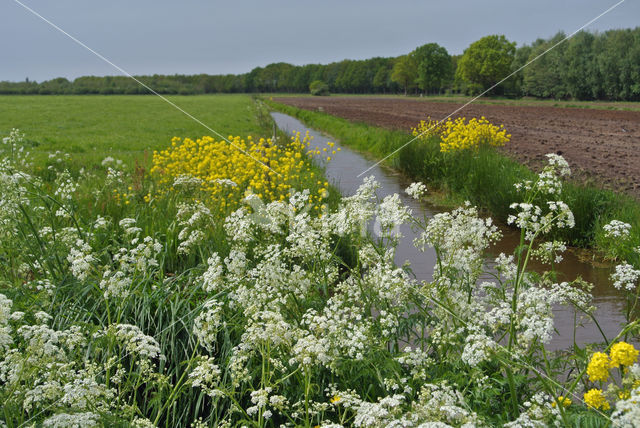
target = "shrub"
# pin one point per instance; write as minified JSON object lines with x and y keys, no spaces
{"x":318,"y":87}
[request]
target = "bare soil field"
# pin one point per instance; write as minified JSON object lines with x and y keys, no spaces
{"x":602,"y":146}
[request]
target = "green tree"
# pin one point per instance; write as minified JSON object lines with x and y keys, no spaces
{"x":433,"y":67}
{"x":318,"y":87}
{"x":487,"y":61}
{"x":546,"y":76}
{"x":405,"y":72}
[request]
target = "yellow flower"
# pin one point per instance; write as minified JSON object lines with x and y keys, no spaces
{"x":623,"y":354}
{"x":598,"y":368}
{"x":223,"y":168}
{"x":566,"y":402}
{"x":624,"y":395}
{"x":595,"y":398}
{"x":335,"y":399}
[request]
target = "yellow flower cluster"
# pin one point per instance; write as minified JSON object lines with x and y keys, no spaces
{"x":623,"y":354}
{"x":460,"y":134}
{"x":598,"y":368}
{"x":565,"y":401}
{"x":427,"y":128}
{"x":228,"y":170}
{"x":595,"y":398}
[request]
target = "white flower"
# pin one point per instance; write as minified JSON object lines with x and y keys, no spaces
{"x":81,"y":260}
{"x":206,"y":375}
{"x":134,"y":340}
{"x":477,"y":348}
{"x":617,"y":229}
{"x":75,"y":420}
{"x":416,"y":190}
{"x":625,"y":276}
{"x":206,"y":324}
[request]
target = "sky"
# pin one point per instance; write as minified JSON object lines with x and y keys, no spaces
{"x":220,"y":37}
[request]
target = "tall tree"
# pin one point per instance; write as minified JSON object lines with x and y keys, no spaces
{"x":546,"y":77}
{"x":487,"y":61}
{"x":405,"y":72}
{"x":433,"y":67}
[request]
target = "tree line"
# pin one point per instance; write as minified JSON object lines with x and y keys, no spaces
{"x":589,"y":66}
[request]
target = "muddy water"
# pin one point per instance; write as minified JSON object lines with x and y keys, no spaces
{"x":343,"y":171}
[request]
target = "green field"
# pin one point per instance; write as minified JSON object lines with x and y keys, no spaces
{"x":125,"y":127}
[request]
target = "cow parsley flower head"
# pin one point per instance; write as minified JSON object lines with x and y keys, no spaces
{"x":617,"y":229}
{"x":206,"y":375}
{"x":625,"y":277}
{"x":416,"y":190}
{"x":76,"y":420}
{"x":206,"y":324}
{"x":81,"y":259}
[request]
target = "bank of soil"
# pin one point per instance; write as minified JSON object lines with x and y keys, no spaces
{"x":602,"y":146}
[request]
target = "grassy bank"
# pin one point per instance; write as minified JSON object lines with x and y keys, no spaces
{"x":486,"y":179}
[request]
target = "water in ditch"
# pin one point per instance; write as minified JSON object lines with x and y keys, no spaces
{"x":343,"y":171}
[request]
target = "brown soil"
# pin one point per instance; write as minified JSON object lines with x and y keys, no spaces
{"x":602,"y":146}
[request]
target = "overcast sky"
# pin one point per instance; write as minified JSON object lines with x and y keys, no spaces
{"x":217,"y":37}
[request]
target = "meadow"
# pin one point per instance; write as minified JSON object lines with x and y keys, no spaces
{"x":128,"y":127}
{"x":157,"y":276}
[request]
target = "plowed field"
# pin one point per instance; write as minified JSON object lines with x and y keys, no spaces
{"x":600,"y":145}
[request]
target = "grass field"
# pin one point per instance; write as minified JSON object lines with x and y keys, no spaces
{"x":125,"y":127}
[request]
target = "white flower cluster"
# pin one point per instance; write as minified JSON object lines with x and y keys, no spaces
{"x":206,"y":324}
{"x":206,"y":375}
{"x":129,"y":226}
{"x":134,"y":340}
{"x":66,"y":186}
{"x":391,"y":214}
{"x":627,"y":411}
{"x":617,"y":229}
{"x":416,"y":190}
{"x":194,"y":218}
{"x":187,"y":183}
{"x":538,"y":412}
{"x":130,"y":263}
{"x":81,"y":259}
{"x":625,"y":277}
{"x":460,"y":237}
{"x":550,"y":251}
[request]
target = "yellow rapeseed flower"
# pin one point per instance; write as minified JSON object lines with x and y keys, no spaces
{"x":458,"y":134}
{"x":595,"y":398}
{"x":223,"y":168}
{"x":623,"y":354}
{"x":598,"y":368}
{"x":566,"y":402}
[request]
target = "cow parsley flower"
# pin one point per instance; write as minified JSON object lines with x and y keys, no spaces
{"x":75,"y":420}
{"x":206,"y":324}
{"x":81,"y":260}
{"x":625,"y":277}
{"x":206,"y":375}
{"x":617,"y":229}
{"x":416,"y":190}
